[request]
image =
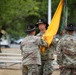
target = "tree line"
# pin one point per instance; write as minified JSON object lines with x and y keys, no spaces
{"x":15,"y":15}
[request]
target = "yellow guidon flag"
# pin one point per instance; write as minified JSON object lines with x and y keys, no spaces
{"x":53,"y":27}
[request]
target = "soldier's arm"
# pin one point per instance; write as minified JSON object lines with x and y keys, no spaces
{"x":53,"y":44}
{"x":59,"y":53}
{"x":41,"y":42}
{"x":21,"y":48}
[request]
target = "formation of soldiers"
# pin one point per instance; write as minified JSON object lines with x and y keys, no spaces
{"x":36,"y":63}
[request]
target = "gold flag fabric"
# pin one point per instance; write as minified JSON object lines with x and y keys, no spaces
{"x":53,"y":27}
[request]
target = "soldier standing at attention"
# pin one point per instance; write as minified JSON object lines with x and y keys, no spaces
{"x":31,"y":52}
{"x":66,"y":52}
{"x":46,"y":67}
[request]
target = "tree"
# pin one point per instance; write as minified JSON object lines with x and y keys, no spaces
{"x":16,"y":14}
{"x":71,"y":11}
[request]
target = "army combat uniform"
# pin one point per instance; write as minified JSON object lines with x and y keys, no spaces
{"x":66,"y":54}
{"x":47,"y":58}
{"x":31,"y":54}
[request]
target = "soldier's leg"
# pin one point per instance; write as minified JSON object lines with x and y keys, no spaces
{"x":33,"y":70}
{"x":65,"y":71}
{"x":41,"y":68}
{"x":48,"y":67}
{"x":73,"y":71}
{"x":24,"y":70}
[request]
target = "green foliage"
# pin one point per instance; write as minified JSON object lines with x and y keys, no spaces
{"x":16,"y":14}
{"x":71,"y":11}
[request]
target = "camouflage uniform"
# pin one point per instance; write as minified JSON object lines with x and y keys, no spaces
{"x":66,"y":54}
{"x":47,"y":58}
{"x":31,"y":54}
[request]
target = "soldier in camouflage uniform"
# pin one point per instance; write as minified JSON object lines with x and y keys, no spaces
{"x":46,"y":67}
{"x":31,"y":52}
{"x":66,"y":52}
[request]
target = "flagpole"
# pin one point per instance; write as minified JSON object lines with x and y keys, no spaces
{"x":49,"y":11}
{"x":65,"y":13}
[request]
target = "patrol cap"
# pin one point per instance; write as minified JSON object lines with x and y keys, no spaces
{"x":42,"y":21}
{"x":70,"y":27}
{"x":30,"y":28}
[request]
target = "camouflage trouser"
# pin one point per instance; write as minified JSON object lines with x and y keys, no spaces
{"x":30,"y":70}
{"x":65,"y":71}
{"x":46,"y":68}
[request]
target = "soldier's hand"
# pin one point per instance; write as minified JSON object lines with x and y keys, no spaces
{"x":60,"y":67}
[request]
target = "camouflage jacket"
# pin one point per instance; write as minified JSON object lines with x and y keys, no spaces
{"x":48,"y":54}
{"x":30,"y":50}
{"x":66,"y":51}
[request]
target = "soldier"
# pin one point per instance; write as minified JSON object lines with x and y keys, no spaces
{"x":31,"y":52}
{"x":66,"y":52}
{"x":46,"y":67}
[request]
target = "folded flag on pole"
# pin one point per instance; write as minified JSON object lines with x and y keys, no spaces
{"x":53,"y":27}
